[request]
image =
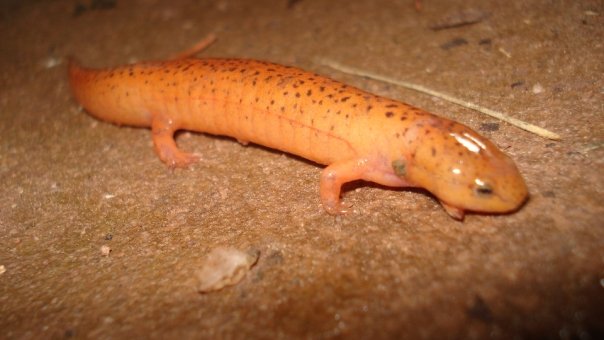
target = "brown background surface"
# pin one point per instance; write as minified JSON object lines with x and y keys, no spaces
{"x":397,"y":266}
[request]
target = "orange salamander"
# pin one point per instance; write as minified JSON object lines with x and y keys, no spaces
{"x":358,"y":135}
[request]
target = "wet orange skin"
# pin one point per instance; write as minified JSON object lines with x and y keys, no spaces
{"x":357,"y":134}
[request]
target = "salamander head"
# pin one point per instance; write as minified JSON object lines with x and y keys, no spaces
{"x":464,"y":170}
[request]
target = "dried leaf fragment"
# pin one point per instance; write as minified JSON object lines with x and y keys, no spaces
{"x":224,"y":267}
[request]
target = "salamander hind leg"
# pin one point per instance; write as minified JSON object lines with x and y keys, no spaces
{"x":162,"y":129}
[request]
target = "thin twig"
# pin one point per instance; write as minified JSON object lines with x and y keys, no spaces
{"x":501,"y":116}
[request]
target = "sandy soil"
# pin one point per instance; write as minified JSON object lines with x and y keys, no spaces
{"x":397,"y":266}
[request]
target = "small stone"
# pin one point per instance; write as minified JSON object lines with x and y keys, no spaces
{"x":537,"y":88}
{"x":105,"y":250}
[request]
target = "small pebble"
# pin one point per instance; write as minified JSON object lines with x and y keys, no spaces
{"x":105,"y":250}
{"x":537,"y":88}
{"x":52,"y":62}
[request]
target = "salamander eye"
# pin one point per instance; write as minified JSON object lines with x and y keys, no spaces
{"x":483,"y":189}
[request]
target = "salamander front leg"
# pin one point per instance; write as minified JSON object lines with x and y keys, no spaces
{"x":454,"y":212}
{"x":162,"y":129}
{"x":332,"y":179}
{"x":372,"y":168}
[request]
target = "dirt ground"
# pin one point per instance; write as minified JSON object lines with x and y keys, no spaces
{"x":396,"y":267}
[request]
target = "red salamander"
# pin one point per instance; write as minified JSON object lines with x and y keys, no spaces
{"x":358,"y":135}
